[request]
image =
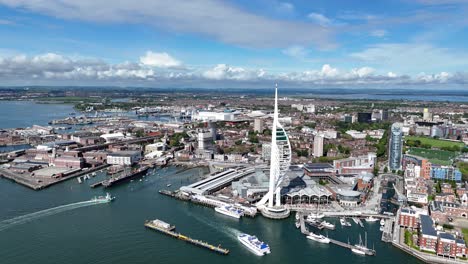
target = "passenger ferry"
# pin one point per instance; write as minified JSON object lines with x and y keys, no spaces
{"x":230,"y":211}
{"x":318,"y":238}
{"x":253,"y":244}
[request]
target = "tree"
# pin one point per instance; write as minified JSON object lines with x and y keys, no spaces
{"x":385,"y":170}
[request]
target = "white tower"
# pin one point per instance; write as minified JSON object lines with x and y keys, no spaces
{"x":279,"y":164}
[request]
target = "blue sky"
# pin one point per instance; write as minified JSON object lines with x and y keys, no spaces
{"x":235,"y":43}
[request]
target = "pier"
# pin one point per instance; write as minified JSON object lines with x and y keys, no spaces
{"x":196,"y":242}
{"x":305,"y":231}
{"x":208,"y":201}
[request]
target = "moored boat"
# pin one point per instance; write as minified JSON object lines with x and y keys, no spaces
{"x":371,"y":219}
{"x":318,"y":238}
{"x":229,"y":211}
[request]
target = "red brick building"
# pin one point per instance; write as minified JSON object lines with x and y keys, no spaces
{"x":408,"y":218}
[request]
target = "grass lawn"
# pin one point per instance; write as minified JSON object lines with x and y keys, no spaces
{"x":465,"y":234}
{"x":436,"y":143}
{"x":441,"y":157}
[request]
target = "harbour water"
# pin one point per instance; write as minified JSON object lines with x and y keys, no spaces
{"x":114,"y":232}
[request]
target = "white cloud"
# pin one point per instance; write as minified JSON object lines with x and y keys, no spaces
{"x":298,"y":52}
{"x":51,"y":68}
{"x":215,"y":19}
{"x":412,"y":57}
{"x":320,"y":19}
{"x":226,"y":72}
{"x":161,"y":60}
{"x":379,"y":33}
{"x":285,"y":7}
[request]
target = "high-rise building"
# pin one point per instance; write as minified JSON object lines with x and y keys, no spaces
{"x":280,"y":160}
{"x":427,"y":116}
{"x":395,"y":147}
{"x":318,"y":146}
{"x":205,"y":140}
{"x":258,"y":125}
{"x":364,"y":117}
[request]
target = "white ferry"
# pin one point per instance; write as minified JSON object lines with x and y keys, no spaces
{"x":253,"y":244}
{"x":229,"y":211}
{"x":318,"y":238}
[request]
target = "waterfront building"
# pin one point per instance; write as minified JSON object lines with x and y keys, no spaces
{"x":449,"y":246}
{"x":408,"y":218}
{"x":395,"y":147}
{"x":280,"y":161}
{"x":348,"y":198}
{"x":123,"y":157}
{"x":158,"y":146}
{"x":318,"y":146}
{"x":428,"y":234}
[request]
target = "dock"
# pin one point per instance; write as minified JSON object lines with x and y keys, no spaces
{"x":305,"y":231}
{"x":196,"y":242}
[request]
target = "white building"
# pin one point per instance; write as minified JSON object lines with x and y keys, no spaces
{"x":309,"y":108}
{"x":123,"y":157}
{"x":258,"y":125}
{"x":205,"y":140}
{"x":318,"y":145}
{"x":356,"y":134}
{"x":158,"y":146}
{"x":213,"y":116}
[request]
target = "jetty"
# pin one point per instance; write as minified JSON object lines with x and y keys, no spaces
{"x":169,"y":230}
{"x":305,"y":231}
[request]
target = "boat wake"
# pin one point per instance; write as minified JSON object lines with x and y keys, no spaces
{"x":19,"y":220}
{"x":227,"y":230}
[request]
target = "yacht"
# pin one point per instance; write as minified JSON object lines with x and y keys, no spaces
{"x":168,"y":185}
{"x":318,"y":238}
{"x":253,"y":244}
{"x":328,"y":225}
{"x":315,"y":216}
{"x":382,"y":222}
{"x":358,"y":251}
{"x":355,"y":220}
{"x":229,"y":211}
{"x":343,"y":222}
{"x":298,"y":224}
{"x":382,"y":228}
{"x":371,"y":219}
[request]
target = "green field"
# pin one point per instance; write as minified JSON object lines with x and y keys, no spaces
{"x":436,"y":143}
{"x":441,"y":157}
